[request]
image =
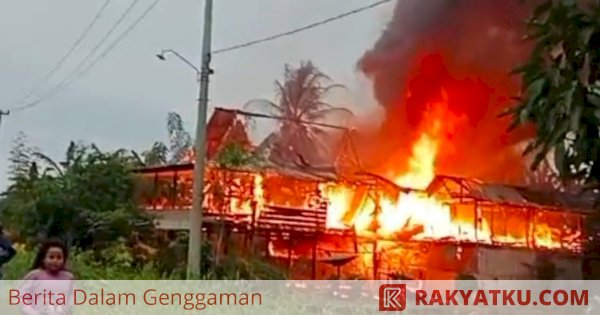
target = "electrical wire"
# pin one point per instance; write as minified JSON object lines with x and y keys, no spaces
{"x":84,"y":60}
{"x":70,"y":79}
{"x":60,"y":63}
{"x":300,"y":29}
{"x":76,"y":76}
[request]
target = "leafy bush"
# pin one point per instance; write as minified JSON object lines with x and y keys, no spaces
{"x":118,"y":263}
{"x":87,"y":200}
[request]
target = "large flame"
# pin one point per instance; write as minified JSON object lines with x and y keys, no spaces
{"x":416,"y":215}
{"x":421,"y":164}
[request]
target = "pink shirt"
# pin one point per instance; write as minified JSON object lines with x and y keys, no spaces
{"x":41,"y":274}
{"x":39,"y":281}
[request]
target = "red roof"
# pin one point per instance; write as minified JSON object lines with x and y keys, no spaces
{"x":224,"y":128}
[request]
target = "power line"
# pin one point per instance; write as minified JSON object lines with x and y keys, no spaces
{"x":103,"y":40}
{"x":301,"y":29}
{"x":70,"y":78}
{"x":77,"y":68}
{"x":120,"y":38}
{"x":67,"y":55}
{"x":76,"y":76}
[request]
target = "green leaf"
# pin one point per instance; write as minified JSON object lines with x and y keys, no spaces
{"x":575,"y":117}
{"x":569,"y":98}
{"x":586,"y":34}
{"x":542,"y":8}
{"x":593,"y":99}
{"x":534,"y":91}
{"x":559,"y":158}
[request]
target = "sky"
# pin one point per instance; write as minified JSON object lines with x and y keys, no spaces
{"x":124,"y":100}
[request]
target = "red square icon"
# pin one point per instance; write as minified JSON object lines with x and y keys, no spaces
{"x":392,"y":297}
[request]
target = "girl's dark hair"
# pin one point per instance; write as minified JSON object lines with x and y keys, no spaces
{"x":38,"y":263}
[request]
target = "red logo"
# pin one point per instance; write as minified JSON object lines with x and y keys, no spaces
{"x":392,"y":297}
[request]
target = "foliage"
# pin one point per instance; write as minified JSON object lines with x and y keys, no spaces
{"x":234,"y":155}
{"x":561,"y":94}
{"x":561,"y":91}
{"x":180,"y":143}
{"x":300,"y":101}
{"x":157,"y":155}
{"x":118,"y":263}
{"x":85,"y":200}
{"x":545,"y":178}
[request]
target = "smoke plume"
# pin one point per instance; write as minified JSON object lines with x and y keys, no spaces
{"x":441,"y":67}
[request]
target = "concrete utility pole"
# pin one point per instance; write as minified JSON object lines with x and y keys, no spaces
{"x":195,"y":240}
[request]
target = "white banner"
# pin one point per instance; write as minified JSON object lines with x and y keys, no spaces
{"x":299,"y":297}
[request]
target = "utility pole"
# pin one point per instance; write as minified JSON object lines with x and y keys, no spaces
{"x":3,"y":113}
{"x":195,"y":238}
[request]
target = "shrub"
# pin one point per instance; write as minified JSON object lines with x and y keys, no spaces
{"x":117,"y":263}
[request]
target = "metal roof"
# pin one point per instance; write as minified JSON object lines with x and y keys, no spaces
{"x":457,"y":187}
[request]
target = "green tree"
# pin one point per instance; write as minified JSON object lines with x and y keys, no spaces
{"x":86,"y":200}
{"x":301,"y":99}
{"x":234,"y":156}
{"x":561,"y":95}
{"x":180,"y":144}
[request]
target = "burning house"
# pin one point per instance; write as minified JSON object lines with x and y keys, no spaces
{"x":441,"y":77}
{"x":325,"y":223}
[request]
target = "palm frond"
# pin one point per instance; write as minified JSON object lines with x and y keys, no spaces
{"x":174,"y":123}
{"x":96,"y":149}
{"x":299,"y":102}
{"x":71,"y":152}
{"x":328,"y":114}
{"x":283,"y":94}
{"x":120,"y":153}
{"x":157,"y":155}
{"x":262,"y":105}
{"x":179,"y":139}
{"x":138,"y":158}
{"x":41,"y":156}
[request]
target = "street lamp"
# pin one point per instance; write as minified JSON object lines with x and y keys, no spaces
{"x":163,"y":56}
{"x":195,"y":222}
{"x":195,"y":219}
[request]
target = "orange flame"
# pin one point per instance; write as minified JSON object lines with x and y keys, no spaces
{"x":421,"y":164}
{"x":415,"y":215}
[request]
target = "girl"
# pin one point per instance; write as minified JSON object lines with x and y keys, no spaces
{"x":49,"y":264}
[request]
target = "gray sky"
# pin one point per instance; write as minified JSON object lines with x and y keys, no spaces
{"x":124,"y":100}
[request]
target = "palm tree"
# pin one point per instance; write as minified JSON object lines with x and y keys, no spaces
{"x":300,"y":102}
